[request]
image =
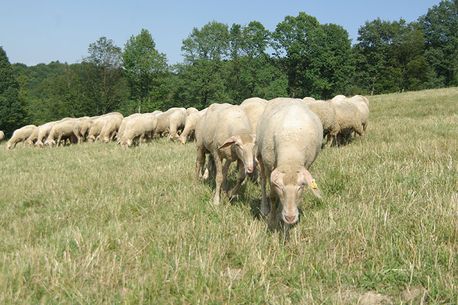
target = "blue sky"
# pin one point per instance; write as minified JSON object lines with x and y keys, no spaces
{"x":33,"y":32}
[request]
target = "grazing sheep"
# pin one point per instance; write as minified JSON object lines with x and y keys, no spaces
{"x":111,"y":126}
{"x":327,"y":115}
{"x":99,"y":122}
{"x":82,"y":128}
{"x":288,"y":140}
{"x":43,"y":133}
{"x":254,"y":107}
{"x":190,"y":125}
{"x":362,"y":103}
{"x":138,"y":127}
{"x":2,"y":135}
{"x":20,"y":135}
{"x":225,"y":133}
{"x":348,"y":118}
{"x":122,"y":127}
{"x":170,"y":122}
{"x":32,"y":138}
{"x":62,"y":131}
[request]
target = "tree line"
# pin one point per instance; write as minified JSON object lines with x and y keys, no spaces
{"x":223,"y":63}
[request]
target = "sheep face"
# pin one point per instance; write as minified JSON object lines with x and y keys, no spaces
{"x":243,"y":145}
{"x":289,"y":185}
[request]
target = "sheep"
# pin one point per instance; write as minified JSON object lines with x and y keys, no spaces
{"x":122,"y":127}
{"x":138,"y":127}
{"x":288,"y":140}
{"x":362,"y":103}
{"x":327,"y":115}
{"x":32,"y":138}
{"x":170,"y":122}
{"x":348,"y":118}
{"x":190,"y":125}
{"x":2,"y":135}
{"x":225,"y":133}
{"x":98,"y":125}
{"x":61,"y":131}
{"x":254,"y":107}
{"x":20,"y":135}
{"x":43,"y":133}
{"x":82,"y":128}
{"x":111,"y":126}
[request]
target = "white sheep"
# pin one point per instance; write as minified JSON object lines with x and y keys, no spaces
{"x":190,"y":125}
{"x":138,"y":127}
{"x":348,"y":117}
{"x":171,"y":122}
{"x":225,"y":133}
{"x":2,"y":136}
{"x":20,"y":135}
{"x":288,"y":140}
{"x":254,"y":107}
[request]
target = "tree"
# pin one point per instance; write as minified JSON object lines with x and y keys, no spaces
{"x":101,"y":72}
{"x":440,"y":26}
{"x":316,"y":58}
{"x":12,"y":114}
{"x":204,"y":72}
{"x":145,"y":67}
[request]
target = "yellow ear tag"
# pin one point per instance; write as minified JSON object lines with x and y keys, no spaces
{"x":313,"y":184}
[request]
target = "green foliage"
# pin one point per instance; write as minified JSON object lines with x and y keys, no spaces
{"x":440,"y":26}
{"x":316,"y":58}
{"x":144,"y":66}
{"x":12,"y":112}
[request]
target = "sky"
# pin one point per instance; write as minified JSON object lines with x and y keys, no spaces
{"x":33,"y":32}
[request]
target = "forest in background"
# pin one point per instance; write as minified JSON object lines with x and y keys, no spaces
{"x":228,"y":63}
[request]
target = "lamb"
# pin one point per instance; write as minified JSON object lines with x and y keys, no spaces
{"x":2,"y":135}
{"x":288,"y":140}
{"x":170,"y":122}
{"x":190,"y":125}
{"x":138,"y":127}
{"x":254,"y":107}
{"x":20,"y":135}
{"x":225,"y":133}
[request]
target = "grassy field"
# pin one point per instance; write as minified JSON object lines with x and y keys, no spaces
{"x":98,"y":224}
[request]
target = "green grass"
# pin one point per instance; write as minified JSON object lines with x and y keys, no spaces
{"x":98,"y":224}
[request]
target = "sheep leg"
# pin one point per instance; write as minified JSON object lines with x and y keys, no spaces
{"x":200,"y":161}
{"x":218,"y":179}
{"x":240,"y":178}
{"x":265,"y":207}
{"x":273,"y":212}
{"x":226,"y":165}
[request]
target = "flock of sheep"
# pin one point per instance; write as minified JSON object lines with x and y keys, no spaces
{"x":277,"y":140}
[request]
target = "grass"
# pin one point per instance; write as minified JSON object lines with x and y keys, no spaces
{"x":97,"y":224}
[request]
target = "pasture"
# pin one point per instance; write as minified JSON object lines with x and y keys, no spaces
{"x":99,"y":224}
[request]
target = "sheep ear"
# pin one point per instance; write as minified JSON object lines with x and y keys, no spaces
{"x":230,"y":141}
{"x":276,"y":177}
{"x":305,"y":176}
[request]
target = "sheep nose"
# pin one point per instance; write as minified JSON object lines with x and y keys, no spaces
{"x":249,"y":169}
{"x":290,"y":219}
